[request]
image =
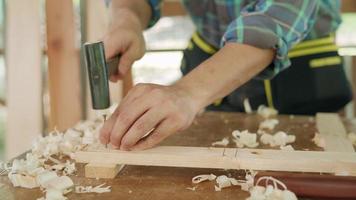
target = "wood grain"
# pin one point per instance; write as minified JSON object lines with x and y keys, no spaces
{"x":333,"y":132}
{"x":63,"y":65}
{"x":101,"y":170}
{"x":162,"y":183}
{"x":228,"y":158}
{"x":24,"y":75}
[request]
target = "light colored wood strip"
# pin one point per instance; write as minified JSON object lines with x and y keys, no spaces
{"x":334,"y":133}
{"x":63,"y":65}
{"x":228,"y":158}
{"x":24,"y":80}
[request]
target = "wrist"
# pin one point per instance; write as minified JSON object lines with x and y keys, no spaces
{"x":196,"y":97}
{"x":126,"y":18}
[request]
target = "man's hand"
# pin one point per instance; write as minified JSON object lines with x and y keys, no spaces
{"x":124,"y":38}
{"x":128,"y":18}
{"x":149,"y":108}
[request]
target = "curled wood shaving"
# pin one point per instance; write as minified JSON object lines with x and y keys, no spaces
{"x":203,"y":177}
{"x":247,"y":106}
{"x":268,"y":124}
{"x":191,"y":188}
{"x":319,"y":140}
{"x":266,"y":112}
{"x":271,"y":191}
{"x":224,"y":142}
{"x":278,"y":139}
{"x":90,"y":189}
{"x":224,"y":182}
{"x":287,"y":148}
{"x":244,"y":138}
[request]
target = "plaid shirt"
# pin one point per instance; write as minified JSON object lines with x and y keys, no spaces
{"x":267,"y":24}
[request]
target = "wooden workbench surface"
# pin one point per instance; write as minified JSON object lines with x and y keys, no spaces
{"x":140,"y":182}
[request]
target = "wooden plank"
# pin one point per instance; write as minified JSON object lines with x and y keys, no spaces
{"x":334,"y":133}
{"x":24,"y":80}
{"x":63,"y":65}
{"x":101,"y":170}
{"x":228,"y":158}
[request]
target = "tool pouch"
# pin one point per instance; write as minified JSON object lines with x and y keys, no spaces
{"x":314,"y":83}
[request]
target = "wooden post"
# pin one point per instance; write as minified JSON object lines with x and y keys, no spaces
{"x":23,"y":64}
{"x":63,"y":65}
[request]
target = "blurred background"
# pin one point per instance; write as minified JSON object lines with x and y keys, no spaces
{"x":43,"y":81}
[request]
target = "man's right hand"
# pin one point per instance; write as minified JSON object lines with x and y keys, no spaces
{"x":124,"y":37}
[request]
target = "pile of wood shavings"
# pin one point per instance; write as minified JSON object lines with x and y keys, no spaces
{"x":257,"y":192}
{"x":41,"y":170}
{"x":244,"y":138}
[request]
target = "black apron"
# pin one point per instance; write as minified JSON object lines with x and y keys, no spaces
{"x":315,"y":82}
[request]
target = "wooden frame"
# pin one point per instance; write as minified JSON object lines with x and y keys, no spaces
{"x":229,"y":158}
{"x":339,"y":158}
{"x":63,"y":65}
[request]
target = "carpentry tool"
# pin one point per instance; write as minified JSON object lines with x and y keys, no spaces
{"x":99,"y":71}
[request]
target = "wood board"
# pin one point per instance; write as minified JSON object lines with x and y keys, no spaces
{"x":333,"y":132}
{"x":228,"y":158}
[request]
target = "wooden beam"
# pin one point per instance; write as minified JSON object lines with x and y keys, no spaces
{"x":333,"y":132}
{"x":228,"y":158}
{"x":63,"y":65}
{"x":24,"y":79}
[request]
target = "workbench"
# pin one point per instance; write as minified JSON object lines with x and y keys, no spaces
{"x":161,"y":183}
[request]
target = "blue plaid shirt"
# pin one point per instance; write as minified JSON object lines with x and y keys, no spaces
{"x":267,"y":24}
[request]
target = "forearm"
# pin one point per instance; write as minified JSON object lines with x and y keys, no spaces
{"x":228,"y":69}
{"x":138,"y":10}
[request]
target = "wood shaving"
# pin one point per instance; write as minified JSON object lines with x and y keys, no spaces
{"x":272,"y":192}
{"x":247,"y":106}
{"x":224,"y":182}
{"x":352,"y":138}
{"x":40,"y":169}
{"x":244,"y":138}
{"x":224,"y":142}
{"x":278,"y":139}
{"x":266,"y":112}
{"x":191,"y":188}
{"x":287,"y":148}
{"x":268,"y":124}
{"x":319,"y":140}
{"x":90,"y":189}
{"x":203,"y":177}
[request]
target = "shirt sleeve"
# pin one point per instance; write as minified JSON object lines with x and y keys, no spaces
{"x":273,"y":24}
{"x":156,"y":11}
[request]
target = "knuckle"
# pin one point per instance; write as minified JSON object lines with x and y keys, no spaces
{"x":124,"y":118}
{"x":140,"y":126}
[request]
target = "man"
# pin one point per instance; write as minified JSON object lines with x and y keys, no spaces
{"x":242,"y":49}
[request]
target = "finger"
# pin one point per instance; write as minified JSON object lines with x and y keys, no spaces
{"x":163,"y":130}
{"x":127,"y":116}
{"x":112,"y":46}
{"x":141,"y":127}
{"x":126,"y":62}
{"x":105,"y":131}
{"x":114,"y":78}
